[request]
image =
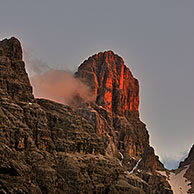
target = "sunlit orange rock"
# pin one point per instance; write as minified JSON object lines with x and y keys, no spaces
{"x":114,"y":114}
{"x":112,"y":82}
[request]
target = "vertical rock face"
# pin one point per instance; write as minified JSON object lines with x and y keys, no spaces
{"x":117,"y":100}
{"x":14,"y":82}
{"x":112,"y":82}
{"x":45,"y":147}
{"x":116,"y":116}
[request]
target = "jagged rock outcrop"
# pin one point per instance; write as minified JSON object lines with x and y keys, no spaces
{"x":46,"y":147}
{"x":112,"y":83}
{"x":117,"y":96}
{"x":14,"y":82}
{"x":115,"y":117}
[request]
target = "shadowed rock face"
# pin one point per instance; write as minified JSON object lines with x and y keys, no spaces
{"x":14,"y":82}
{"x":46,"y":147}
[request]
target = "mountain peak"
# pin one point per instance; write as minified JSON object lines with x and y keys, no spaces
{"x":111,"y":81}
{"x":11,"y":48}
{"x":101,"y":143}
{"x":14,"y":81}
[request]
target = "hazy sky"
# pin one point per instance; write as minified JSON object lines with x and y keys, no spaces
{"x":155,"y":39}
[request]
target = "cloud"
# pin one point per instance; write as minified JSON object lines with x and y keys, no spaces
{"x":34,"y":66}
{"x":61,"y":87}
{"x":56,"y":85}
{"x":173,"y":162}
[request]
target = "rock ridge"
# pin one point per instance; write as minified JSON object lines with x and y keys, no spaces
{"x":47,"y":147}
{"x":115,"y":117}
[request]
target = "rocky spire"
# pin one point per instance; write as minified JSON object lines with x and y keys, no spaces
{"x":112,"y":82}
{"x":14,"y":82}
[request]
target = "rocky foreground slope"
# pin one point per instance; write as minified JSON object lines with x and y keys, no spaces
{"x":189,"y":173}
{"x":101,"y":147}
{"x":181,"y":179}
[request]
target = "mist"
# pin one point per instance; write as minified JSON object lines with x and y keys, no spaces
{"x":34,"y":66}
{"x":172,"y":162}
{"x":60,"y":86}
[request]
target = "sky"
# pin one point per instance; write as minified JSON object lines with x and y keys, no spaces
{"x":155,"y":39}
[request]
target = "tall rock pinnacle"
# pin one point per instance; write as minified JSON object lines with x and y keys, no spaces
{"x":14,"y":82}
{"x":117,"y":99}
{"x":112,"y":82}
{"x":115,"y":117}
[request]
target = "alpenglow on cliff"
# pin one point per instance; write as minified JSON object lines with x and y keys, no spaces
{"x":99,"y":147}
